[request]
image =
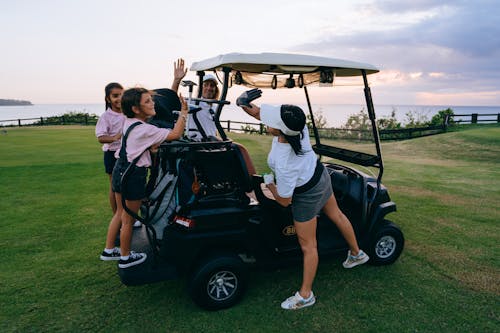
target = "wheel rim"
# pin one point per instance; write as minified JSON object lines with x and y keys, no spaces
{"x":385,"y":247}
{"x":222,"y":285}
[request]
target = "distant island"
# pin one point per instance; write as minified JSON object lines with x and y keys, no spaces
{"x":9,"y":102}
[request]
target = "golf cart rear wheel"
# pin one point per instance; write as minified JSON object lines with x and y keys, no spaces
{"x":218,"y":282}
{"x":387,"y":244}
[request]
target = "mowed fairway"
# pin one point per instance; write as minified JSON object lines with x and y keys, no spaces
{"x":55,"y":214}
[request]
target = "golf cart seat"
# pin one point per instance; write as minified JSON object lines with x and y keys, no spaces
{"x":213,"y":174}
{"x":246,"y":158}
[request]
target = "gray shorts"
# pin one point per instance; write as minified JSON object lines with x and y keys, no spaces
{"x":307,"y":205}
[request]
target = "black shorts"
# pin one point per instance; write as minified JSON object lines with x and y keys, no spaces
{"x":109,"y":161}
{"x":135,"y":182}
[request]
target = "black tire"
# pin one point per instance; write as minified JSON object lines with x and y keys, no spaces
{"x":387,"y":244}
{"x":218,"y":282}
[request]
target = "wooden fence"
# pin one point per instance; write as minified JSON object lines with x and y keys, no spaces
{"x":476,"y":118}
{"x":258,"y":128}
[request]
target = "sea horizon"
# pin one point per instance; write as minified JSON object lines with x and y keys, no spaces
{"x":335,"y":114}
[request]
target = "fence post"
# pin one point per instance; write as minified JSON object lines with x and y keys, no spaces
{"x":19,"y":122}
{"x":498,"y":118}
{"x":229,"y":125}
{"x":261,"y":129}
{"x":474,"y":118}
{"x":41,"y":121}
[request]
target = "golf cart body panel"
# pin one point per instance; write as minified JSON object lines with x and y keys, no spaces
{"x":218,"y":221}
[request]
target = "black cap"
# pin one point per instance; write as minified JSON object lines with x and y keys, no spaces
{"x":293,"y":117}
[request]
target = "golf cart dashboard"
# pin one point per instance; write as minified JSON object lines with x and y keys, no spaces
{"x":347,"y":155}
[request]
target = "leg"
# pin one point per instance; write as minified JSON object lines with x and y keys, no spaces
{"x":115,"y":224}
{"x":127,"y":225}
{"x":332,"y":210}
{"x":112,"y":199}
{"x":306,"y":233}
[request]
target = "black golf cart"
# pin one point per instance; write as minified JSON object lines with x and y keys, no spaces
{"x":209,"y":220}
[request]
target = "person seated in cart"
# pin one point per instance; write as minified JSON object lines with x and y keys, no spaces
{"x":201,"y":124}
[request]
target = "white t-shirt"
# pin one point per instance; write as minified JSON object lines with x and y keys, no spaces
{"x":289,"y":169}
{"x":110,"y":123}
{"x":140,"y":139}
{"x":206,"y":118}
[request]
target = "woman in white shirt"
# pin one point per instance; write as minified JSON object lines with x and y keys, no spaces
{"x":304,"y":183}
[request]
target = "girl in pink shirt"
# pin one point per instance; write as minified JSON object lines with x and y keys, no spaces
{"x":108,"y":131}
{"x":139,"y":138}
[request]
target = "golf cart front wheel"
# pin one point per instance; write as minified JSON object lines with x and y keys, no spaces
{"x":387,"y":244}
{"x":218,"y":282}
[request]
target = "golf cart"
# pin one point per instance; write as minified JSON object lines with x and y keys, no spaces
{"x":208,"y":218}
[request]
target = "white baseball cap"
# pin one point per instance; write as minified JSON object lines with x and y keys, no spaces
{"x":212,"y":77}
{"x":271,"y":115}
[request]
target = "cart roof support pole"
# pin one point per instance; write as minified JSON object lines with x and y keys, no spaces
{"x":371,"y":114}
{"x":315,"y":130}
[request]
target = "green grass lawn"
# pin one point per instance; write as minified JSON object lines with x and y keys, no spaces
{"x":55,"y":215}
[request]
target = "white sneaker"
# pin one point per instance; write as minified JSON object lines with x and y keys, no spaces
{"x":298,"y":302}
{"x":137,"y":224}
{"x":353,"y":261}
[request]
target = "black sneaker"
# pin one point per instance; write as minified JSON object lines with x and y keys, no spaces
{"x":115,"y":255}
{"x":133,"y":259}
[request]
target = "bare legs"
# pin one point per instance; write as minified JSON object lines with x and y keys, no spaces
{"x":127,"y":225}
{"x":332,"y":210}
{"x":111,"y":195}
{"x":122,"y":219}
{"x":306,"y":233}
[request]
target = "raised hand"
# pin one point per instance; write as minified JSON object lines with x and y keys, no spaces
{"x":248,"y":96}
{"x":179,"y":70}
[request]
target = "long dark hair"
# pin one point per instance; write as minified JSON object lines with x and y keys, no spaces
{"x":107,"y":92}
{"x":294,"y":142}
{"x":295,"y":119}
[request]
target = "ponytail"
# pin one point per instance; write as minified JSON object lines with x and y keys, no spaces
{"x":294,"y":142}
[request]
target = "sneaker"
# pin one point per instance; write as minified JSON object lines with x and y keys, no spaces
{"x":298,"y":302}
{"x":137,"y":224}
{"x":115,"y":255}
{"x":133,"y":259}
{"x":353,"y":261}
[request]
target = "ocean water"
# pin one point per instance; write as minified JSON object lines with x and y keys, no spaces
{"x":335,"y":114}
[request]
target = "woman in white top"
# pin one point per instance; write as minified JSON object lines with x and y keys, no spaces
{"x":304,"y":183}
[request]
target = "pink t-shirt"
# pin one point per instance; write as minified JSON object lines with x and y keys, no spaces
{"x":110,"y":123}
{"x":140,"y":139}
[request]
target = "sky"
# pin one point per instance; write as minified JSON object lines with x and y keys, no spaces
{"x":428,"y":52}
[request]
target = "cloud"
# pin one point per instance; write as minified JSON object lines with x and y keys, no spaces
{"x":459,"y":40}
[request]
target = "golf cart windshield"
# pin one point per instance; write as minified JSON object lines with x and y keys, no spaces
{"x":280,"y":70}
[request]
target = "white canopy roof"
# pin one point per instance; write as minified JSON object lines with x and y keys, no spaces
{"x":258,"y":69}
